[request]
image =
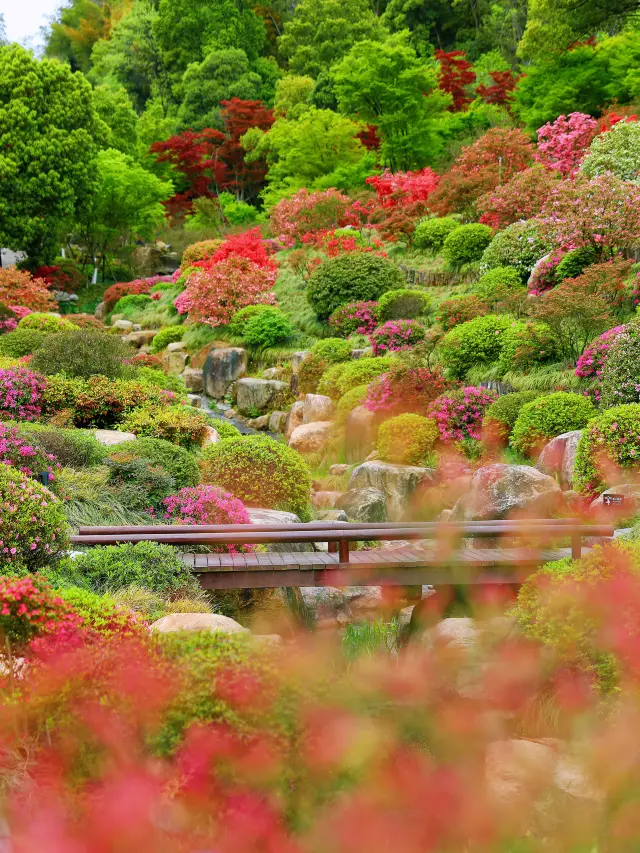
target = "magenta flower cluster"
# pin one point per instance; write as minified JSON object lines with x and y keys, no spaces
{"x":591,"y":363}
{"x":207,"y":505}
{"x":20,"y":394}
{"x":9,"y":324}
{"x":459,"y":414}
{"x":18,"y":453}
{"x":396,"y":335}
{"x":355,"y":318}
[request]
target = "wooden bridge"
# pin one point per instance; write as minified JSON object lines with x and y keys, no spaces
{"x":502,"y":552}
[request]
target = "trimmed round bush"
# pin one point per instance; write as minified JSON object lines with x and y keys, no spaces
{"x":47,"y":323}
{"x":349,"y":278}
{"x":178,"y":424}
{"x":355,"y":318}
{"x":525,"y":345}
{"x":340,"y":378}
{"x":147,"y":564}
{"x":466,"y":244}
{"x":323,"y":354}
{"x":619,"y":381}
{"x":33,"y":527}
{"x":260,"y":472}
{"x":543,"y":419}
{"x":73,"y":448}
{"x":404,"y":304}
{"x":239,"y":321}
{"x":497,"y":283}
{"x":267,"y":328}
{"x":332,"y":350}
{"x":200,"y":251}
{"x":172,"y":458}
{"x":131,"y":304}
{"x":478,"y":341}
{"x":21,"y":342}
{"x":224,"y":428}
{"x":397,"y":335}
{"x":407,"y":439}
{"x":82,"y":353}
{"x":160,"y":379}
{"x":430,"y":234}
{"x":349,"y":401}
{"x":519,"y":246}
{"x":574,"y":263}
{"x":501,"y":416}
{"x":611,"y":441}
{"x":170,"y":335}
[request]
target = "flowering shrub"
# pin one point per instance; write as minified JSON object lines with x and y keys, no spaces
{"x":544,"y":418}
{"x":355,"y":318}
{"x":17,"y":287}
{"x":431,"y":233}
{"x":543,"y":276}
{"x":48,"y":323}
{"x":29,"y":608}
{"x":33,"y":528}
{"x":608,"y":282}
{"x":466,"y":244}
{"x":523,"y":197}
{"x":246,"y":244}
{"x":573,"y":263}
{"x":349,"y":278}
{"x":591,"y":363}
{"x":398,"y":189}
{"x":16,"y":451}
{"x":212,"y":296}
{"x":477,"y":341}
{"x":200,"y":251}
{"x":338,"y":241}
{"x":405,"y":389}
{"x":519,"y":246}
{"x":460,"y":309}
{"x":178,"y":424}
{"x":615,"y":152}
{"x":396,"y":335}
{"x":307,"y":211}
{"x":208,"y":505}
{"x":10,"y":315}
{"x":620,"y":375}
{"x":406,"y":439}
{"x":459,"y":414}
{"x":609,"y":446}
{"x":562,"y":144}
{"x":20,"y":394}
{"x":113,"y":294}
{"x":65,"y":275}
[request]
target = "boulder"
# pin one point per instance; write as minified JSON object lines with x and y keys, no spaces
{"x":518,"y":770}
{"x":197,"y":622}
{"x":366,"y":505}
{"x":397,"y":482}
{"x":176,"y":346}
{"x":278,"y":421}
{"x":294,"y":418}
{"x":273,"y":373}
{"x":277,"y":516}
{"x":139,"y":338}
{"x":253,"y":396}
{"x":331,"y":515}
{"x":327,"y":606}
{"x":110,"y":437}
{"x":195,"y":400}
{"x":361,"y":353}
{"x":175,"y":362}
{"x":338,"y":470}
{"x":99,"y":312}
{"x":259,"y":423}
{"x":297,"y":358}
{"x":631,"y":494}
{"x":221,"y":368}
{"x":365,"y":602}
{"x":360,"y":434}
{"x":310,"y":438}
{"x":325,"y":500}
{"x":558,"y":457}
{"x":499,"y":491}
{"x":459,"y":632}
{"x":124,"y":325}
{"x":193,"y":379}
{"x":317,"y":407}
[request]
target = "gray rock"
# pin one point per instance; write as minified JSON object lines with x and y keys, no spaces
{"x":332,"y":515}
{"x":195,"y":400}
{"x":338,"y":470}
{"x":558,"y":457}
{"x":516,"y":770}
{"x":360,"y":434}
{"x":498,"y":491}
{"x":278,"y":421}
{"x":125,"y":325}
{"x":297,"y":358}
{"x":630,"y":491}
{"x":368,"y":505}
{"x":259,"y":423}
{"x":276,"y":516}
{"x":361,"y":353}
{"x":175,"y":362}
{"x":317,"y":407}
{"x":365,"y":602}
{"x":221,"y":368}
{"x":460,"y":632}
{"x":197,"y":622}
{"x":139,"y":338}
{"x":397,"y":482}
{"x":176,"y":346}
{"x":327,"y":606}
{"x":310,"y":438}
{"x":137,"y":327}
{"x":294,"y":418}
{"x":272,"y":373}
{"x":325,"y":500}
{"x":99,"y":312}
{"x":255,"y":395}
{"x":111,"y":437}
{"x":193,"y":379}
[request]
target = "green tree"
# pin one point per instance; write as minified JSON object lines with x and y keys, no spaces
{"x":386,"y":84}
{"x":49,"y":131}
{"x":434,"y":23}
{"x":126,"y":204}
{"x":293,"y":96}
{"x":77,"y":27}
{"x":115,"y":109}
{"x":321,"y":32}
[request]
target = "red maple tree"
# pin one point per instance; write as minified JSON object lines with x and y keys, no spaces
{"x":504,"y":82}
{"x":454,"y":75}
{"x":245,"y":180}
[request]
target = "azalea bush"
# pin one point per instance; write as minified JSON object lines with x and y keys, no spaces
{"x":562,"y":144}
{"x":178,"y":462}
{"x":523,"y":197}
{"x":526,"y":345}
{"x":17,"y":451}
{"x":619,"y":379}
{"x":591,"y":363}
{"x":397,"y":335}
{"x":405,"y":304}
{"x":21,"y":393}
{"x":615,"y":152}
{"x":340,"y":378}
{"x":458,"y":414}
{"x":501,"y":416}
{"x":405,"y":388}
{"x":357,"y":276}
{"x":180,"y":425}
{"x":519,"y":246}
{"x":207,"y":505}
{"x":114,"y":293}
{"x":267,"y":328}
{"x":42,"y":322}
{"x":466,"y":244}
{"x":431,"y":233}
{"x":355,"y":318}
{"x":17,"y":287}
{"x":400,"y":189}
{"x":246,"y":244}
{"x":31,"y":608}
{"x":200,"y":251}
{"x":609,"y":449}
{"x":166,"y":336}
{"x":548,"y":416}
{"x":306,"y":211}
{"x":82,"y":353}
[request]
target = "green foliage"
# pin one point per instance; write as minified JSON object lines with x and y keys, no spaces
{"x":351,"y":278}
{"x":293,"y":96}
{"x":267,"y":328}
{"x":501,"y":416}
{"x":260,"y":472}
{"x":132,"y":304}
{"x":610,"y":442}
{"x":332,"y":350}
{"x":169,"y":335}
{"x":430,"y":234}
{"x":89,"y":500}
{"x":237,"y":212}
{"x":21,"y":342}
{"x":148,"y":564}
{"x":139,"y":482}
{"x":407,"y":439}
{"x":466,"y":244}
{"x":340,"y":378}
{"x":619,"y":380}
{"x":349,"y":401}
{"x":73,"y":448}
{"x":527,"y":345}
{"x":175,"y":460}
{"x":549,"y":416}
{"x":238,"y":322}
{"x":478,"y":341}
{"x":46,"y":323}
{"x":81,"y":353}
{"x":518,"y":246}
{"x":323,"y":354}
{"x":225,"y":429}
{"x":101,"y":614}
{"x":497,"y":282}
{"x":180,"y":425}
{"x":160,"y":379}
{"x":404,"y":304}
{"x":574,"y":262}
{"x":115,"y":109}
{"x":615,"y":152}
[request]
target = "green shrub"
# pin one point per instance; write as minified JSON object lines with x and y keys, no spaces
{"x":160,"y":379}
{"x":46,"y":323}
{"x":82,"y":353}
{"x":332,"y":350}
{"x":239,"y":321}
{"x":132,"y":304}
{"x":340,"y":378}
{"x":407,"y":439}
{"x":404,"y":304}
{"x":139,"y":483}
{"x":466,"y":244}
{"x":178,"y":424}
{"x":200,"y":251}
{"x":21,"y":342}
{"x":175,"y":460}
{"x":260,"y":472}
{"x":476,"y":342}
{"x":498,"y":282}
{"x":101,"y":614}
{"x":324,"y":353}
{"x":525,"y":345}
{"x":170,"y":335}
{"x":267,"y":328}
{"x":519,"y":246}
{"x":619,"y":379}
{"x":430,"y":234}
{"x":501,"y":416}
{"x":574,"y":262}
{"x":610,"y":441}
{"x":148,"y":564}
{"x":349,"y":401}
{"x":225,"y":429}
{"x":73,"y":448}
{"x":353,"y":277}
{"x":541,"y":420}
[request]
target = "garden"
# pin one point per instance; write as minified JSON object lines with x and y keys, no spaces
{"x":331,"y":263}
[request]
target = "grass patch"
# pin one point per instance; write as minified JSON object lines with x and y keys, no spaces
{"x":550,"y":378}
{"x":369,"y":639}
